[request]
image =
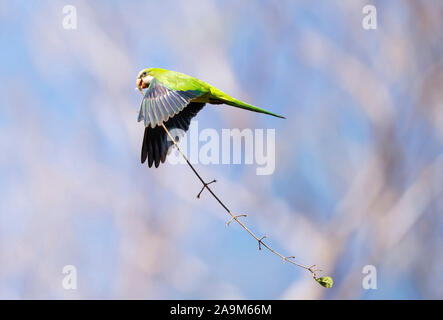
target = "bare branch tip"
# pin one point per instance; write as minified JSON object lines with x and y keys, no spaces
{"x":314,"y":271}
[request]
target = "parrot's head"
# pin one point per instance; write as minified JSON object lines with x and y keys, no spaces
{"x":143,"y":79}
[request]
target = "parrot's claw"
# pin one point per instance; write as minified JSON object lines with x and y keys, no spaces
{"x":235,"y":218}
{"x":205,"y":185}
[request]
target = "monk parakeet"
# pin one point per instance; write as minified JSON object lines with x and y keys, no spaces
{"x":174,"y":98}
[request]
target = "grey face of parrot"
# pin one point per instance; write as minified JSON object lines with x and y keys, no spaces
{"x":143,"y":80}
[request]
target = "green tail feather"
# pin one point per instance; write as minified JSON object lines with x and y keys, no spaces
{"x":240,"y":104}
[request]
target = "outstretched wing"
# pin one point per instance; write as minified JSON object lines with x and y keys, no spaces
{"x":156,"y":143}
{"x":161,"y":103}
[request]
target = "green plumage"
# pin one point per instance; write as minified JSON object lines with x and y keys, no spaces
{"x":178,"y":81}
{"x":173,"y":99}
{"x":206,"y":93}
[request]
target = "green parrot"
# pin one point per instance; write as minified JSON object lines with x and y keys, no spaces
{"x":174,"y":98}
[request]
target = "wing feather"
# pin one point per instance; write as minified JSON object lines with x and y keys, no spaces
{"x":161,"y":103}
{"x":156,"y":144}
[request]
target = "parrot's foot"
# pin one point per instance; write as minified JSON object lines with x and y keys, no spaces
{"x":205,"y":185}
{"x":235,"y":218}
{"x":260,"y":242}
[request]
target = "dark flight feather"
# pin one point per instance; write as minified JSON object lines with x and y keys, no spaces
{"x":156,"y":142}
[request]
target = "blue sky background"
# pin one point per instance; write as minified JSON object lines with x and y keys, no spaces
{"x":359,"y":167}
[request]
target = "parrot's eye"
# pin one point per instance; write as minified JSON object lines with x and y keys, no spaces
{"x":143,"y":74}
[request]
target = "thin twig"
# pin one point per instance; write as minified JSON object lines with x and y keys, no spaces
{"x":235,"y":217}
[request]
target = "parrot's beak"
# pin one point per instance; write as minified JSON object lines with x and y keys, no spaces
{"x":139,"y":84}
